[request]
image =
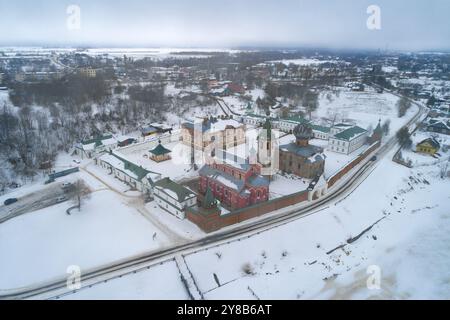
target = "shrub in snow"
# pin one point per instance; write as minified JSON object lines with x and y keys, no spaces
{"x":247,"y":269}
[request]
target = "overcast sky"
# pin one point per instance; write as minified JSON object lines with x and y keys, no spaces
{"x":405,"y":24}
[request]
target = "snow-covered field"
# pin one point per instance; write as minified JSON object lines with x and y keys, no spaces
{"x":291,"y":262}
{"x":39,"y":246}
{"x":364,"y":109}
{"x":157,"y":283}
{"x":303,"y":62}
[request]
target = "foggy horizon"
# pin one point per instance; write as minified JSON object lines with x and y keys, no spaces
{"x":299,"y":24}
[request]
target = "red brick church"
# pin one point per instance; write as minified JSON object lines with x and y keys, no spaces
{"x":235,"y":182}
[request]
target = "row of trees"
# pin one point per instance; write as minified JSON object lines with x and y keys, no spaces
{"x":31,"y":136}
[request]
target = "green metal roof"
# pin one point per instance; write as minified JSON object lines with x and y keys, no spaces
{"x":321,"y":128}
{"x":160,"y":150}
{"x":350,"y":133}
{"x":140,"y":172}
{"x":97,"y":141}
{"x":296,"y":119}
{"x":182,"y":193}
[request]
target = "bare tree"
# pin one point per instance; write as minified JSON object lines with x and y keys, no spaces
{"x":78,"y":192}
{"x":386,"y":127}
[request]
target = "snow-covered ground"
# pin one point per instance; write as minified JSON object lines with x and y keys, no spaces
{"x":364,"y":109}
{"x":291,"y":262}
{"x":157,"y":283}
{"x":303,"y":62}
{"x":39,"y":246}
{"x":177,"y":168}
{"x":407,"y":249}
{"x":183,"y":228}
{"x":286,"y":184}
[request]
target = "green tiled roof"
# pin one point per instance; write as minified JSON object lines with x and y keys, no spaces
{"x":182,"y":193}
{"x":321,"y":128}
{"x":140,"y":172}
{"x":296,"y":119}
{"x":350,"y":133}
{"x":160,"y":150}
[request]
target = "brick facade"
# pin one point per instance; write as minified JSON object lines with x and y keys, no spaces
{"x":213,"y":222}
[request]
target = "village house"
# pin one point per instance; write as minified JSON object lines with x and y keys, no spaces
{"x":149,"y":131}
{"x":253,"y":119}
{"x":96,"y":146}
{"x":285,"y":124}
{"x":337,"y":128}
{"x":234,"y":181}
{"x":125,"y":141}
{"x":173,"y":197}
{"x":128,"y":172}
{"x":300,"y":157}
{"x":288,"y":124}
{"x":348,"y":140}
{"x":428,"y":146}
{"x":88,"y":72}
{"x":235,"y":88}
{"x":439,"y":126}
{"x":223,"y":133}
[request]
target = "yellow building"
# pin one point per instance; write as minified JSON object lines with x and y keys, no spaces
{"x":225,"y":133}
{"x":429,"y":146}
{"x":88,"y":72}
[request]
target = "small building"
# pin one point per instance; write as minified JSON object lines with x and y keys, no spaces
{"x":126,"y":141}
{"x":128,"y":172}
{"x":253,"y":119}
{"x":348,"y":140}
{"x":321,"y":132}
{"x":224,"y":133}
{"x":149,"y":131}
{"x":439,"y":126}
{"x":288,"y":124}
{"x":96,"y":146}
{"x":162,"y":128}
{"x":173,"y":197}
{"x":335,"y":129}
{"x":235,"y":88}
{"x":428,"y":146}
{"x":300,"y":157}
{"x":160,"y":154}
{"x":88,"y":72}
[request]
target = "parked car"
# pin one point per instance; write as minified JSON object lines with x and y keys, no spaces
{"x":66,"y":185}
{"x":77,"y":161}
{"x":10,"y":201}
{"x":61,"y":199}
{"x":374,"y":158}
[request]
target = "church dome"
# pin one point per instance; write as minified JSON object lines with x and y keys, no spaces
{"x":303,"y":132}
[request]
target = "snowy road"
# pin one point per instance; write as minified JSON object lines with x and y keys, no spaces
{"x":44,"y":198}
